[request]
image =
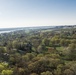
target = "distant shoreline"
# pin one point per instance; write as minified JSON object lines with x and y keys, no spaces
{"x":7,"y":30}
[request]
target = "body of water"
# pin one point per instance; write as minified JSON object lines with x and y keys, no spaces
{"x":7,"y":31}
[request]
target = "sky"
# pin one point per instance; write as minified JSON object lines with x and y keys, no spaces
{"x":28,"y":13}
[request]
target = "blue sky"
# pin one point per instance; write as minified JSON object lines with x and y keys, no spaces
{"x":25,"y":13}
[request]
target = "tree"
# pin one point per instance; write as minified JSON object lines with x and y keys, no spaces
{"x":7,"y":72}
{"x":68,"y":72}
{"x":46,"y":41}
{"x":46,"y":73}
{"x":33,"y":74}
{"x":29,"y":47}
{"x":62,"y":42}
{"x":72,"y":49}
{"x":39,"y":49}
{"x":1,"y":67}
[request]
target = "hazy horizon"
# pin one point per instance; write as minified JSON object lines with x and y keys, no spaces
{"x":32,"y":13}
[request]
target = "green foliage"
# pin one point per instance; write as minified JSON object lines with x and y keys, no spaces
{"x":68,"y":72}
{"x":1,"y":67}
{"x":7,"y":72}
{"x":47,"y":73}
{"x":33,"y":74}
{"x":38,"y":52}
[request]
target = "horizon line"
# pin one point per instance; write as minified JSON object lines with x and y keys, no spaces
{"x":36,"y":26}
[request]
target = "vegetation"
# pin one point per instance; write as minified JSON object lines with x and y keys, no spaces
{"x":38,"y":52}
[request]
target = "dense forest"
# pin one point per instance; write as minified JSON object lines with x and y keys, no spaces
{"x":42,"y":51}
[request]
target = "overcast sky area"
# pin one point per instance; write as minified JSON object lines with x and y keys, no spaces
{"x":26,"y":13}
